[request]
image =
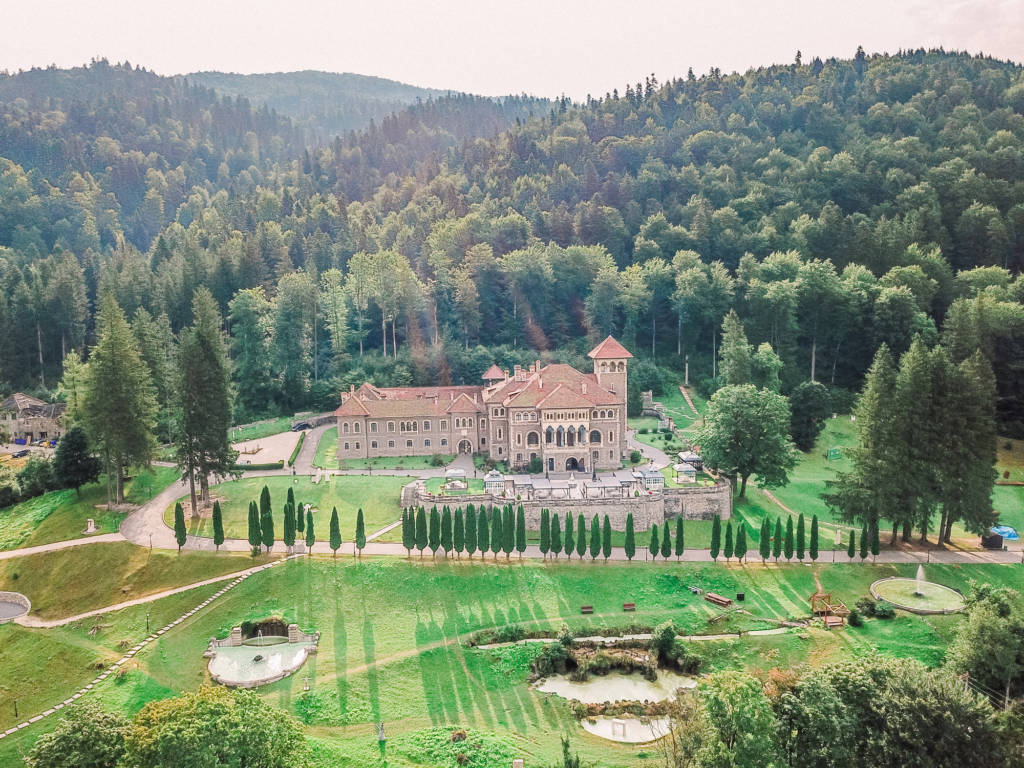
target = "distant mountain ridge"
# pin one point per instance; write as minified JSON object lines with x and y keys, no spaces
{"x":322,"y":103}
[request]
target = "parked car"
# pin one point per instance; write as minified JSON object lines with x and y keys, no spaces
{"x":298,"y":426}
{"x":20,"y":454}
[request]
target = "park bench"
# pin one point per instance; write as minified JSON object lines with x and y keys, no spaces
{"x":586,"y":609}
{"x":629,"y":607}
{"x":711,"y":597}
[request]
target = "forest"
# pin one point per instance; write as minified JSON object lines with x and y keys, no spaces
{"x":833,"y":205}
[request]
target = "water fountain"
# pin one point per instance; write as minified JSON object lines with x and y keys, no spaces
{"x":918,"y":581}
{"x":917,"y":594}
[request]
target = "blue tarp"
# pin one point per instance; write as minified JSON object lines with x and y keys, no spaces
{"x":1008,"y":533}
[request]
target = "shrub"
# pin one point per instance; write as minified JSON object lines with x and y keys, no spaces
{"x":437,"y":460}
{"x":663,"y":641}
{"x":855,"y":619}
{"x":635,"y":456}
{"x":552,"y":659}
{"x":254,"y":467}
{"x":688,"y":661}
{"x":644,"y":430}
{"x":867,"y":606}
{"x":7,"y":496}
{"x":884,"y":611}
{"x":296,"y":449}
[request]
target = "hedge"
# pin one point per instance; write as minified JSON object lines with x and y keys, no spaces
{"x":271,"y":465}
{"x":298,"y":447}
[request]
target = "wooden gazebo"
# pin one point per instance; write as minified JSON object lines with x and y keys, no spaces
{"x":832,"y":610}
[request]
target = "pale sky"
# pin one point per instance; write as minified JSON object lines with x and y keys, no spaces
{"x":543,"y":47}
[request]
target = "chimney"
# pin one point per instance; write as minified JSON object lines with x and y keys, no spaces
{"x":584,"y":387}
{"x":540,"y":382}
{"x":518,"y":370}
{"x":538,"y":366}
{"x":532,"y":368}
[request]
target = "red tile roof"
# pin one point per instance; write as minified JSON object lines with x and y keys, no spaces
{"x":494,"y":373}
{"x":609,"y":348}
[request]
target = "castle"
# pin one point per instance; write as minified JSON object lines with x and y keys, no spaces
{"x":569,"y":420}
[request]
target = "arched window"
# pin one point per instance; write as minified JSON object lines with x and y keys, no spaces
{"x":611,"y":437}
{"x":570,"y":437}
{"x":344,"y":428}
{"x":346,"y":445}
{"x":595,"y":436}
{"x":582,"y":435}
{"x":593,"y":415}
{"x":549,"y":434}
{"x":604,"y":367}
{"x":355,"y":427}
{"x":533,"y":439}
{"x":622,"y":367}
{"x":560,"y":437}
{"x":519,"y":438}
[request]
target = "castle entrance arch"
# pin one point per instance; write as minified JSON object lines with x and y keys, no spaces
{"x":572,"y":465}
{"x":465,"y":446}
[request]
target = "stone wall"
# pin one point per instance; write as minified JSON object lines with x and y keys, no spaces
{"x":702,"y":503}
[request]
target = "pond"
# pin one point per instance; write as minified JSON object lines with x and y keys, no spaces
{"x":246,"y":666}
{"x":625,"y":729}
{"x":617,"y":687}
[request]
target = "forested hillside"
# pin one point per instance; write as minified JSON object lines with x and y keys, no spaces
{"x":834,"y":205}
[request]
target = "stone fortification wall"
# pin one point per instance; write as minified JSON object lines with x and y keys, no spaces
{"x":702,"y":503}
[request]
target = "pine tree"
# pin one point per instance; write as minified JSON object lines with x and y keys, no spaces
{"x":864,"y":542}
{"x":218,"y":526}
{"x":777,"y":540}
{"x":556,"y":535}
{"x":581,"y":535}
{"x":300,"y":517}
{"x":680,"y":540}
{"x":73,"y":463}
{"x":508,"y":531}
{"x":483,"y":534}
{"x":741,"y":541}
{"x":290,"y":497}
{"x":447,"y":535}
{"x":545,"y":532}
{"x":520,"y":531}
{"x":655,"y":544}
{"x":666,"y":541}
{"x":288,"y":534}
{"x":716,"y":537}
{"x":458,"y":533}
{"x":408,"y":532}
{"x":851,"y":548}
{"x":471,"y":530}
{"x":570,"y":544}
{"x":310,"y":534}
{"x":434,"y":531}
{"x":267,"y":526}
{"x":254,"y":527}
{"x":801,"y":537}
{"x":814,"y":538}
{"x":764,"y":544}
{"x":180,"y":532}
{"x":595,"y":538}
{"x":787,"y":545}
{"x":421,"y":530}
{"x":874,"y":542}
{"x":727,"y":550}
{"x":630,"y":537}
{"x":360,"y":531}
{"x":496,"y":532}
{"x":335,"y":532}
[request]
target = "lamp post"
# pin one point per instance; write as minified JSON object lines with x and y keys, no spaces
{"x":147,"y":622}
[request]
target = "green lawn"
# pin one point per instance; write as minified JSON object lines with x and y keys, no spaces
{"x":70,"y":581}
{"x":398,"y":462}
{"x":327,"y":450}
{"x":378,"y":496}
{"x":393,"y":632}
{"x":61,"y":515}
{"x":263,"y":429}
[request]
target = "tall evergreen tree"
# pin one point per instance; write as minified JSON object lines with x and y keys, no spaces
{"x":508,"y":531}
{"x":801,"y":537}
{"x":360,"y":531}
{"x":288,"y":532}
{"x":630,"y":537}
{"x":408,"y":532}
{"x":118,"y":408}
{"x":581,"y":535}
{"x":447,"y":534}
{"x":180,"y":532}
{"x":814,"y":538}
{"x":606,"y":538}
{"x":874,"y":542}
{"x":545,"y":532}
{"x":218,"y":526}
{"x":300,"y":517}
{"x":520,"y":530}
{"x":788,"y":544}
{"x":777,"y":540}
{"x":254,"y":527}
{"x":851,"y":547}
{"x":680,"y":540}
{"x":73,"y":463}
{"x":310,"y":534}
{"x":458,"y":532}
{"x":556,"y":536}
{"x":472,"y":528}
{"x":864,"y":540}
{"x":595,"y":537}
{"x":666,"y":541}
{"x":764,"y":544}
{"x":267,"y":528}
{"x":421,"y":530}
{"x":716,"y":537}
{"x":655,"y":544}
{"x":335,"y":532}
{"x":434,"y":531}
{"x":728,"y":548}
{"x":570,"y":543}
{"x":496,"y":532}
{"x":740,"y":549}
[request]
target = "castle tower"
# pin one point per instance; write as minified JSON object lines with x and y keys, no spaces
{"x":610,"y":364}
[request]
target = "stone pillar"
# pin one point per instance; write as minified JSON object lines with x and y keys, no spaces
{"x":236,"y":636}
{"x":293,"y":633}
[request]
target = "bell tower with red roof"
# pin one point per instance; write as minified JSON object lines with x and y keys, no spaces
{"x":611,"y":360}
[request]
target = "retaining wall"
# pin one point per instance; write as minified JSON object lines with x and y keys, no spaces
{"x":18,"y":599}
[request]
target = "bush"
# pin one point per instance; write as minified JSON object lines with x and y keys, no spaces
{"x":688,"y":661}
{"x":867,"y":606}
{"x":7,"y":496}
{"x":536,"y":466}
{"x":36,"y":478}
{"x":269,"y":465}
{"x":437,"y":460}
{"x":884,"y":611}
{"x":643,"y":430}
{"x":663,"y":641}
{"x":855,"y":619}
{"x":551,"y":660}
{"x":296,"y":449}
{"x":635,"y":457}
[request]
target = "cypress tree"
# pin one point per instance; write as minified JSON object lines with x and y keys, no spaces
{"x":264,"y":501}
{"x":408,"y":532}
{"x":254,"y":527}
{"x":483,"y":533}
{"x":520,"y":531}
{"x":218,"y":525}
{"x":801,"y":537}
{"x":300,"y":517}
{"x":727,"y":551}
{"x":630,"y":537}
{"x":787,"y":545}
{"x":606,"y":538}
{"x":335,"y":532}
{"x":680,"y":541}
{"x":290,"y":497}
{"x":180,"y":532}
{"x":508,"y":531}
{"x":666,"y":541}
{"x":458,"y":533}
{"x":581,"y":535}
{"x":813,"y":549}
{"x":288,"y":535}
{"x":447,"y":538}
{"x":434,"y":532}
{"x":471,"y":530}
{"x":495,"y":531}
{"x":741,"y":541}
{"x":716,"y":537}
{"x":874,"y":541}
{"x":360,"y":531}
{"x":421,"y":530}
{"x":864,"y":543}
{"x":595,"y":538}
{"x":777,"y":539}
{"x":851,"y":548}
{"x":556,"y":535}
{"x":764,"y":543}
{"x":655,"y":541}
{"x":267,"y":529}
{"x":570,"y":544}
{"x":545,"y":532}
{"x":310,"y":535}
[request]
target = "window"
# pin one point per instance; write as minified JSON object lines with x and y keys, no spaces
{"x":444,"y":424}
{"x":355,"y":427}
{"x":483,"y":423}
{"x":519,"y":457}
{"x":391,"y":426}
{"x":344,"y":428}
{"x":408,"y":443}
{"x":373,"y":443}
{"x":532,"y":439}
{"x":391,"y":443}
{"x":519,"y":416}
{"x":357,"y":446}
{"x":595,"y":436}
{"x":346,"y":446}
{"x":483,"y":441}
{"x":499,"y":450}
{"x":549,"y":435}
{"x":611,"y":454}
{"x":499,"y":434}
{"x":444,"y":441}
{"x":611,"y":437}
{"x":426,"y":426}
{"x":495,"y":412}
{"x":519,"y":439}
{"x":373,"y":426}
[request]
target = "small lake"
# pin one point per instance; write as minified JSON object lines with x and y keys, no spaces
{"x":616,"y":687}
